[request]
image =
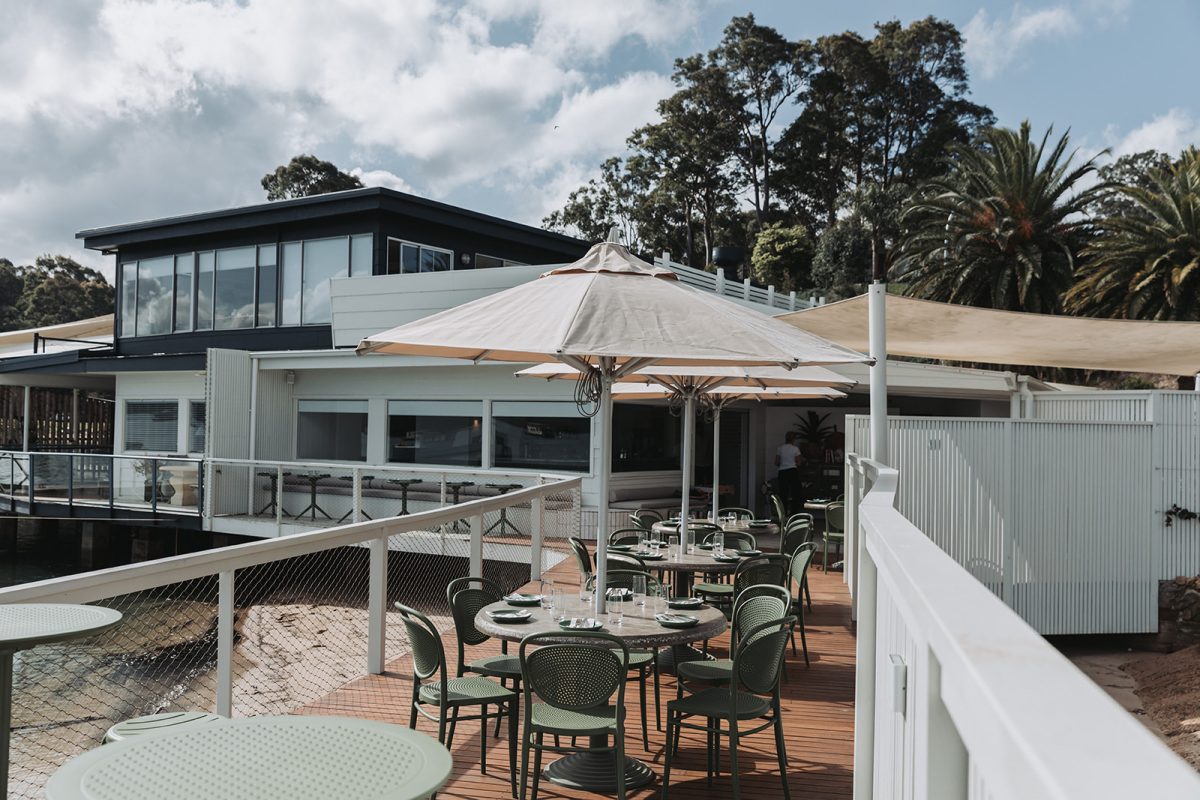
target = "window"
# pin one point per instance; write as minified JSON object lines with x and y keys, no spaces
{"x":550,"y":436}
{"x":435,"y":432}
{"x":360,"y":255}
{"x":289,"y":295}
{"x":267,"y":281}
{"x":408,"y":257}
{"x":197,"y":412}
{"x":128,"y":297}
{"x":645,"y":438}
{"x":332,"y":430}
{"x":154,"y":279}
{"x":152,"y":425}
{"x":323,"y":259}
{"x":234,"y":298}
{"x":184,"y":269}
{"x":488,"y":262}
{"x":205,"y":263}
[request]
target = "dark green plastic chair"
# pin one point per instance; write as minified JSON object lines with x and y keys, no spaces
{"x":799,"y":532}
{"x":433,"y":687}
{"x":645,"y":518}
{"x":582,"y":559}
{"x":835,"y":530}
{"x":575,"y":684}
{"x":798,"y":577}
{"x":767,"y":568}
{"x":465,"y":597}
{"x":752,"y":696}
{"x":777,"y":506}
{"x":626,"y":536}
{"x":741,"y":513}
{"x":734,"y":540}
{"x":625,"y":561}
{"x":755,"y":605}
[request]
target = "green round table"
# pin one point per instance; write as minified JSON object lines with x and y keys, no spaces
{"x":26,"y":625}
{"x":298,"y":758}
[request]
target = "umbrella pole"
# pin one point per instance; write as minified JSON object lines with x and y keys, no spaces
{"x":602,"y":475}
{"x":689,"y":425}
{"x":716,"y":467}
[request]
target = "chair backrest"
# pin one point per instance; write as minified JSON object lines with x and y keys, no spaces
{"x":801,"y":516}
{"x":740,"y":513}
{"x":735,"y":540}
{"x":770,"y":568}
{"x":625,"y":561}
{"x":645,"y":517}
{"x":425,"y":644}
{"x":582,"y":559}
{"x":758,"y":604}
{"x":758,"y":658}
{"x":798,"y":568}
{"x":575,"y":676}
{"x":626,"y":535}
{"x":623,"y":579}
{"x":777,"y":505}
{"x":796,"y":534}
{"x":465,"y":597}
{"x":835,"y":517}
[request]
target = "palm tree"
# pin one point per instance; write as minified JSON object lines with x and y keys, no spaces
{"x":1002,"y":228}
{"x":1146,"y":265}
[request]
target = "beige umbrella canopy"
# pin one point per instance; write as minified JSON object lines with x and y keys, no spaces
{"x":679,"y":377}
{"x":608,"y":314}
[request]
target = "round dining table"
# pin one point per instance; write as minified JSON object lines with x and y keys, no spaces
{"x":297,"y":757}
{"x":588,"y":770}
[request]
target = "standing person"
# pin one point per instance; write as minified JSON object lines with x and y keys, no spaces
{"x":787,"y":461}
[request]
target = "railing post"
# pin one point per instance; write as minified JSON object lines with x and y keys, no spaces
{"x":746,"y":289}
{"x":535,"y":533}
{"x":112,"y":483}
{"x":864,"y":675}
{"x":71,"y":482}
{"x":720,"y":286}
{"x":771,"y":296}
{"x":225,"y":620}
{"x":31,"y":479}
{"x":853,"y":534}
{"x":154,"y":486}
{"x":278,"y":498}
{"x":476,"y":563}
{"x":942,"y":760}
{"x":792,"y":301}
{"x":201,"y":485}
{"x":377,"y":607}
{"x":356,"y":493}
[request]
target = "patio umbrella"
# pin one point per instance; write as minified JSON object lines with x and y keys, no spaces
{"x":607,"y":315}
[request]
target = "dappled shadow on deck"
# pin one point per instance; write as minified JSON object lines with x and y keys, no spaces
{"x":818,"y":707}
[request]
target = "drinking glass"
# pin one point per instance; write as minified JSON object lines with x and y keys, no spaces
{"x":616,"y":613}
{"x":718,"y":543}
{"x":639,"y":593}
{"x":641,"y":544}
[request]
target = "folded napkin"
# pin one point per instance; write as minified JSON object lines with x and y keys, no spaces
{"x":526,"y":597}
{"x":674,"y":618}
{"x":580,"y":622}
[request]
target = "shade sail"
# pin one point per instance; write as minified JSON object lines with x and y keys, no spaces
{"x":608,"y":305}
{"x":646,"y":391}
{"x":727,"y":376}
{"x":927,"y":329}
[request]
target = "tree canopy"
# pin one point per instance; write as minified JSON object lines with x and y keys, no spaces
{"x":51,"y":291}
{"x":307,"y":175}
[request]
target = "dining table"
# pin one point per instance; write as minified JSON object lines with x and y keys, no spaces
{"x":297,"y":757}
{"x":594,"y":770}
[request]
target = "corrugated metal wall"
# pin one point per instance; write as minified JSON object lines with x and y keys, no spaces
{"x":273,"y":416}
{"x":1092,"y":406}
{"x":227,"y":429}
{"x":1178,"y":421}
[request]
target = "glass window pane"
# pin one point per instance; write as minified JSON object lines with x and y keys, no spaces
{"x":360,"y":254}
{"x":128,"y":298}
{"x":267,"y":286}
{"x":289,"y":297}
{"x":154,"y":302}
{"x":184,"y":271}
{"x":205,"y":263}
{"x":424,"y":432}
{"x":332,"y":430}
{"x":323,"y":259}
{"x":393,"y":257}
{"x":197,"y":413}
{"x":234,"y":306}
{"x":487,"y":262}
{"x":644,"y":438}
{"x":152,"y":425}
{"x":434,"y":260}
{"x":410,"y":258}
{"x":551,"y":443}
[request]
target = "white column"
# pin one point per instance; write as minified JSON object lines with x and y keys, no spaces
{"x":864,"y":675}
{"x":377,"y":607}
{"x":689,"y":432}
{"x":225,"y":619}
{"x":1196,"y":385}
{"x":25,"y":422}
{"x":476,"y":563}
{"x":602,"y":473}
{"x":536,"y":506}
{"x":716,"y":477}
{"x":876,"y":304}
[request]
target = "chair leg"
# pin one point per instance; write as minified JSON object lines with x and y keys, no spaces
{"x":666,"y":778}
{"x":657,"y":702}
{"x":453,"y":727}
{"x":443,"y":712}
{"x":525,"y":744}
{"x":537,"y":764}
{"x":412,"y":718}
{"x":483,"y":726}
{"x":781,"y":750}
{"x":708,"y":752}
{"x":513,"y":707}
{"x":733,"y":763}
{"x":642,"y":699}
{"x":619,"y":758}
{"x":808,"y":593}
{"x":804,"y":643}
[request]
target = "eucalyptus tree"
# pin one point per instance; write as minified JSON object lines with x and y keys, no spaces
{"x":307,"y":175}
{"x":1003,"y":228}
{"x":1145,"y":262}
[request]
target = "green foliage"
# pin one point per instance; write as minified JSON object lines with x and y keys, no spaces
{"x":1003,"y":229}
{"x":51,"y":291}
{"x":783,"y":257}
{"x":306,"y":175}
{"x":1134,"y":169}
{"x":814,"y":428}
{"x":843,"y":258}
{"x":1145,"y":264}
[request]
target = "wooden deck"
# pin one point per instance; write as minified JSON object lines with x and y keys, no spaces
{"x":818,"y":706}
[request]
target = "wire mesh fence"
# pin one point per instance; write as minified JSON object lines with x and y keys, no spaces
{"x":301,"y":631}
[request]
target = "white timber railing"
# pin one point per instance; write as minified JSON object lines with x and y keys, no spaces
{"x":264,"y":627}
{"x":744,"y":290}
{"x":957,"y":697}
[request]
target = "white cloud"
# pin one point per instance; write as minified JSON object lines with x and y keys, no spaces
{"x":381,"y":177}
{"x":991,"y":45}
{"x":1169,"y":133}
{"x":116,"y":110}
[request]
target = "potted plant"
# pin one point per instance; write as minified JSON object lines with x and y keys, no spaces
{"x":166,"y":491}
{"x":813,"y":430}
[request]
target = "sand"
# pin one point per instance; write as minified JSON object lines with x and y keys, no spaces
{"x":1169,"y":688}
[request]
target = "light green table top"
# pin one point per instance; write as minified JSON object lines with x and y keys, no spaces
{"x":26,"y":625}
{"x":256,"y":758}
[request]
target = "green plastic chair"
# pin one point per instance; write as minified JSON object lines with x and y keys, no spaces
{"x":777,"y":505}
{"x":641,"y":662}
{"x":626,"y":536}
{"x":465,"y":597}
{"x":624,"y":561}
{"x":752,"y":695}
{"x":755,"y":605}
{"x":450,"y":695}
{"x":582,"y":559}
{"x":575,"y":684}
{"x":768,"y":568}
{"x":798,"y":517}
{"x":798,"y":577}
{"x":740,"y":513}
{"x":645,"y":518}
{"x":835,"y":531}
{"x":798,"y":533}
{"x":734,"y":540}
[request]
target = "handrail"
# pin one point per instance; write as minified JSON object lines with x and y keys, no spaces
{"x":428,"y":468}
{"x":131,"y":456}
{"x":990,"y":692}
{"x":92,"y":586}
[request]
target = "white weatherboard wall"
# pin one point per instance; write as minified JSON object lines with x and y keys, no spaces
{"x":182,"y":387}
{"x":1056,"y":518}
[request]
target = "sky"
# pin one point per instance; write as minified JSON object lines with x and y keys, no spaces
{"x":115,"y":111}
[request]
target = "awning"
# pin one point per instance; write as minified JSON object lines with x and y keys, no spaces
{"x":928,"y":329}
